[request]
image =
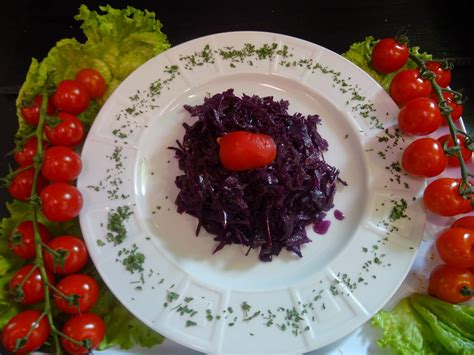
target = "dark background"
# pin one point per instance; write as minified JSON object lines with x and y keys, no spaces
{"x":30,"y":28}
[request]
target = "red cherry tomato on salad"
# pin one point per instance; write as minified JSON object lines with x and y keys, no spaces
{"x":22,"y":183}
{"x":424,"y":157}
{"x":465,"y":152}
{"x":20,"y":326}
{"x":31,"y":113}
{"x":464,"y":222}
{"x":69,"y":132}
{"x":32,"y":290}
{"x":74,"y":251}
{"x":456,"y":108}
{"x":446,"y":283}
{"x":389,"y":55}
{"x":22,"y":240}
{"x":456,"y":247}
{"x":419,"y":116}
{"x":242,"y":150}
{"x":442,"y":76}
{"x":442,"y":197}
{"x":61,"y":164}
{"x":81,"y":327}
{"x":408,"y":85}
{"x":84,"y":286}
{"x":71,"y":97}
{"x":93,"y":81}
{"x":25,"y":155}
{"x":60,"y":202}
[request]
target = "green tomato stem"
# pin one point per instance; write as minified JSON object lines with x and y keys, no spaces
{"x":465,"y":188}
{"x":38,"y":162}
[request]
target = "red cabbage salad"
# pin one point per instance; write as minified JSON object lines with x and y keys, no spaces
{"x":266,"y":208}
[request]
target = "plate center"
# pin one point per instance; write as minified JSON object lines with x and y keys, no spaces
{"x":174,"y":233}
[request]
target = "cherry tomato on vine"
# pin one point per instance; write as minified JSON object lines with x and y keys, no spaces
{"x":71,"y":97}
{"x":60,"y":202}
{"x":20,"y":326}
{"x":74,"y":251}
{"x":464,"y":222}
{"x":447,"y":281}
{"x":242,"y":150}
{"x":32,"y":290}
{"x":456,"y":108}
{"x":22,"y":184}
{"x":69,"y":132}
{"x":87,"y":326}
{"x":389,"y":55}
{"x":31,"y":113}
{"x":84,"y":286}
{"x":442,"y":197}
{"x":25,"y":155}
{"x":93,"y":81}
{"x":408,"y":85}
{"x":465,"y":152}
{"x":22,"y":240}
{"x":61,"y":164}
{"x":456,"y":247}
{"x":442,"y":76}
{"x":424,"y":157}
{"x":419,"y":116}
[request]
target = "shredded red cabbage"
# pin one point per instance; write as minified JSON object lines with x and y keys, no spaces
{"x":266,"y":208}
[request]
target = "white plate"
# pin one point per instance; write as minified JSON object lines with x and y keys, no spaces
{"x":345,"y":275}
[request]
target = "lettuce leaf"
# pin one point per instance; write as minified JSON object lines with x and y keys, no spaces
{"x":424,"y":325}
{"x":123,"y":329}
{"x":360,"y":53}
{"x":117,"y":42}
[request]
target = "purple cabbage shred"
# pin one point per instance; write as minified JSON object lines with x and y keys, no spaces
{"x":266,"y":208}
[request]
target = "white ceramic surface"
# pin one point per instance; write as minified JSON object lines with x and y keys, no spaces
{"x":345,"y":276}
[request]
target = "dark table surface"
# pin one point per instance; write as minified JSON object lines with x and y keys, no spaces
{"x":30,"y":28}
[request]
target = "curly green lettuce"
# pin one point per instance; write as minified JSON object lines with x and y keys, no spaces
{"x":423,"y":325}
{"x":117,"y":42}
{"x":360,"y":53}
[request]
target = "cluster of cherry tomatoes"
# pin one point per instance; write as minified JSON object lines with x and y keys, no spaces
{"x":453,"y":281}
{"x":426,"y":157}
{"x":63,"y":256}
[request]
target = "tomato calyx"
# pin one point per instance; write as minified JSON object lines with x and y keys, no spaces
{"x":466,"y":291}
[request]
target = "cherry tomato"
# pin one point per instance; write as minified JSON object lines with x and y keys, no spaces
{"x":86,"y":289}
{"x":33,"y":290}
{"x":20,"y":326}
{"x":81,"y":327}
{"x":22,"y":240}
{"x":72,"y":248}
{"x":420,"y":116}
{"x":442,"y":197}
{"x":69,"y":132}
{"x":93,"y":81}
{"x":60,"y":202}
{"x":464,"y":222}
{"x":408,"y":85}
{"x":61,"y":164}
{"x":424,"y":157}
{"x":389,"y":55}
{"x":442,"y":76}
{"x":456,"y":247}
{"x":447,"y":281}
{"x":31,"y":113}
{"x":465,"y":152}
{"x":24,"y":156}
{"x":71,"y":97}
{"x":241,"y":150}
{"x":456,"y":109}
{"x":22,"y":183}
